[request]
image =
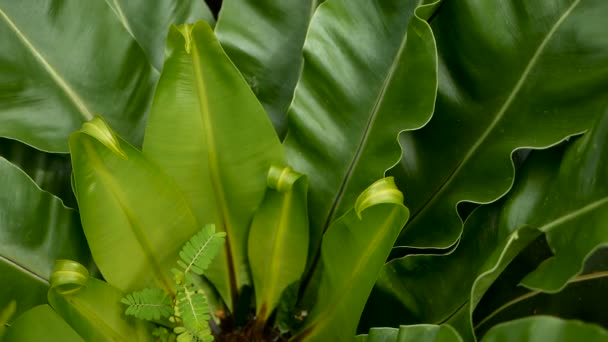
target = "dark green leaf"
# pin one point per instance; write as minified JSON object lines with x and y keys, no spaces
{"x":545,"y":328}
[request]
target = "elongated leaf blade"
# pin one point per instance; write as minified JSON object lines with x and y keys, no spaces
{"x":149,"y":21}
{"x":63,"y":63}
{"x":422,"y":333}
{"x":35,"y":229}
{"x":41,"y":323}
{"x":211,"y":135}
{"x":264,"y":39}
{"x":369,"y":73}
{"x":545,"y":328}
{"x":278,"y":240}
{"x":499,"y":91}
{"x":134,"y":216}
{"x":352,"y":254}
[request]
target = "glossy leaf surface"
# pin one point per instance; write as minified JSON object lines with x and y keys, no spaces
{"x":41,"y":323}
{"x":128,"y":206}
{"x":92,"y":307}
{"x":352,"y":254}
{"x":369,"y":73}
{"x":60,"y":65}
{"x":211,"y":135}
{"x":149,"y":21}
{"x":264,"y":39}
{"x":413,"y":333}
{"x":278,"y":239}
{"x":545,"y":328}
{"x":528,"y":74}
{"x":35,"y":229}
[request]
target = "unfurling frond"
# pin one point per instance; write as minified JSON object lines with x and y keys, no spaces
{"x":192,"y":308}
{"x":200,"y":250}
{"x":148,"y":304}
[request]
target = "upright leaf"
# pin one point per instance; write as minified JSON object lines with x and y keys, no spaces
{"x":264,"y":39}
{"x":352,"y":254}
{"x":35,"y":229}
{"x":278,"y":241}
{"x":134,"y":216}
{"x":369,"y":73}
{"x":41,"y":324}
{"x":528,"y":74}
{"x":92,"y":307}
{"x":149,"y":21}
{"x":61,"y":63}
{"x":211,"y":135}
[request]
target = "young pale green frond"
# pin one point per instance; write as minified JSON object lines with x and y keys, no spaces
{"x":148,"y":304}
{"x":192,"y":308}
{"x":199,"y":251}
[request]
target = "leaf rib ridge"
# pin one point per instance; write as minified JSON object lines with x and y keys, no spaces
{"x":23,"y":268}
{"x":501,"y":112}
{"x":67,"y":89}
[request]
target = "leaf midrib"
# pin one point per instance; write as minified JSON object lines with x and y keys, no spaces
{"x":499,"y":115}
{"x":24,"y":269}
{"x":72,"y":95}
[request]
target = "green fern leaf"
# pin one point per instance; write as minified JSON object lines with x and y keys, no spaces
{"x":148,"y":304}
{"x":200,"y":250}
{"x":192,"y":308}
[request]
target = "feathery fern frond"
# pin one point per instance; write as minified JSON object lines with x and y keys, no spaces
{"x":192,"y":308}
{"x":148,"y":304}
{"x":200,"y":250}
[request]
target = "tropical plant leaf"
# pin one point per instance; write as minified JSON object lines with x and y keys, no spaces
{"x":352,"y":254}
{"x":148,"y":304}
{"x":127,"y":206}
{"x":199,"y":251}
{"x":148,"y":22}
{"x":499,"y":91}
{"x":264,"y":39}
{"x":545,"y":328}
{"x":412,"y":333}
{"x":41,"y":323}
{"x":192,"y":308}
{"x":92,"y":307}
{"x":348,"y":107}
{"x":278,"y":240}
{"x":200,"y":130}
{"x":54,"y":75}
{"x":35,"y":229}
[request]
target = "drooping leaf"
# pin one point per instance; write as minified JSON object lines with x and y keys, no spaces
{"x":413,"y":333}
{"x":264,"y":39}
{"x":64,"y":62}
{"x":369,"y":73}
{"x":201,"y":130}
{"x":193,"y":310}
{"x":149,"y":21}
{"x":127,"y":207}
{"x":41,"y":323}
{"x":201,"y":249}
{"x":148,"y":304}
{"x":35,"y":229}
{"x":352,"y":254}
{"x":545,"y":328}
{"x":92,"y":307}
{"x":278,"y":240}
{"x":499,"y":90}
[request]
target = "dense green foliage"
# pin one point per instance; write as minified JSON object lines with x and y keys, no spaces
{"x":376,"y":170}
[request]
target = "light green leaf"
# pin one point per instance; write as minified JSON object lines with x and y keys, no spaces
{"x":499,"y":90}
{"x":127,"y":207}
{"x":63,"y":62}
{"x":149,"y":21}
{"x":545,"y":328}
{"x":199,"y":251}
{"x":92,"y":307}
{"x":35,"y":229}
{"x":264,"y":39}
{"x":193,"y":310}
{"x":41,"y":323}
{"x":370,"y":72}
{"x":414,"y":333}
{"x":211,"y":135}
{"x":278,"y":241}
{"x":148,"y":304}
{"x":352,"y":254}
